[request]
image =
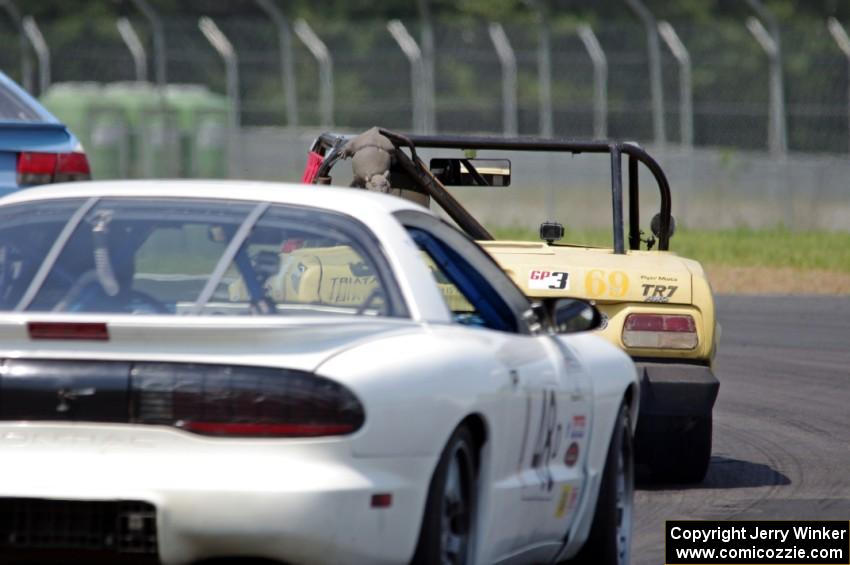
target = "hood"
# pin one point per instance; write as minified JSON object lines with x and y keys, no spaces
{"x":302,"y":343}
{"x":549,"y":271}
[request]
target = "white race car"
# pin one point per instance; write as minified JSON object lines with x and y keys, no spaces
{"x":194,"y":370}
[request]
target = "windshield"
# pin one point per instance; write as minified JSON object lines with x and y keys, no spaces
{"x":188,"y":256}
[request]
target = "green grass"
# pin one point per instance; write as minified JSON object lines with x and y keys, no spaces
{"x":774,"y":247}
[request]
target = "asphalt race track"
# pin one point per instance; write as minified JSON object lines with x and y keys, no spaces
{"x":781,"y":422}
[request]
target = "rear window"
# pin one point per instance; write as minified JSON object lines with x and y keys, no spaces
{"x":13,"y":108}
{"x":189,"y":256}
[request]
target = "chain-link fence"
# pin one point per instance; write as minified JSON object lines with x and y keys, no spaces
{"x":371,"y":76}
{"x":371,"y":85}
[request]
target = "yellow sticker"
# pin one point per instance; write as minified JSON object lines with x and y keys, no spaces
{"x":564,"y":501}
{"x":615,"y":285}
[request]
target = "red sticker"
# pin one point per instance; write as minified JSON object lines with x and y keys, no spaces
{"x":571,"y":456}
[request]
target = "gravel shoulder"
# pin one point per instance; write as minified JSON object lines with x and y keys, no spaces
{"x":777,"y":280}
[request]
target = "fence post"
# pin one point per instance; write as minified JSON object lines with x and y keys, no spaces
{"x":428,"y":88}
{"x":686,"y":108}
{"x":417,"y":72}
{"x":507,"y":60}
{"x":42,"y":52}
{"x":769,"y":42}
{"x":158,"y":43}
{"x":544,"y":68}
{"x":839,"y":34}
{"x":600,"y":80}
{"x":323,"y":57}
{"x":287,"y":66}
{"x":225,"y":49}
{"x":655,"y":84}
{"x":134,"y":45}
{"x":26,"y":59}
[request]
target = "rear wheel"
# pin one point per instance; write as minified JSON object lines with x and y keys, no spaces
{"x":684,"y":452}
{"x":610,"y":539}
{"x":446,"y":535}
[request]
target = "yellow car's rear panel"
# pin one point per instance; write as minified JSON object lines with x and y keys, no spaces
{"x":619,"y":284}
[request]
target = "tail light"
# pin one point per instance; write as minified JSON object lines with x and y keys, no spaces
{"x":660,"y":331}
{"x":68,"y":331}
{"x":36,"y":168}
{"x":44,"y":168}
{"x":238,"y":401}
{"x":72,"y":167}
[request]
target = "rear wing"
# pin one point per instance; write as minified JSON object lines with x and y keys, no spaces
{"x":329,"y":147}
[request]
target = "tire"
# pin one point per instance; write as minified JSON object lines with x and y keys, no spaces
{"x":446,"y":537}
{"x":609,"y":542}
{"x":687,"y":452}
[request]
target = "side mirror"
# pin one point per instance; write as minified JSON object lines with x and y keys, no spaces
{"x":472,"y":172}
{"x":551,"y":232}
{"x":655,"y":225}
{"x":571,"y":315}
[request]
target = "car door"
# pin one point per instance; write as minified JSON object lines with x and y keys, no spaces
{"x":531,"y":491}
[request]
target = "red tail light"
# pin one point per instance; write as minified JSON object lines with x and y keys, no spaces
{"x":68,"y":331}
{"x":36,"y":168}
{"x":44,"y":168}
{"x":280,"y":430}
{"x":239,"y":401}
{"x":660,"y":331}
{"x":382,"y":500}
{"x":72,"y":167}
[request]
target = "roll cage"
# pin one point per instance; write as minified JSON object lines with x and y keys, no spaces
{"x":328,"y":147}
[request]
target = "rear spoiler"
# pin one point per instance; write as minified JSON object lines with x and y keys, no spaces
{"x":330,"y":145}
{"x":33,"y":136}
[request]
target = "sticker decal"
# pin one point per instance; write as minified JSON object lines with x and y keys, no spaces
{"x":545,"y":279}
{"x":659,"y":279}
{"x":578,"y":427}
{"x":658,"y":292}
{"x":541,"y":446}
{"x":564,"y":501}
{"x":598,"y":285}
{"x":351,"y":290}
{"x":571,"y":505}
{"x":571,"y":456}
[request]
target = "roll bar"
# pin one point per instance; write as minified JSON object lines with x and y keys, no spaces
{"x":330,"y":145}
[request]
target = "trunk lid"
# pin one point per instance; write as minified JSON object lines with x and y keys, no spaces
{"x":301,"y":343}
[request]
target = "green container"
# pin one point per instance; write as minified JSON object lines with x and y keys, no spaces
{"x":130,"y":129}
{"x":155,"y":138}
{"x":101,"y":127}
{"x":202,"y":117}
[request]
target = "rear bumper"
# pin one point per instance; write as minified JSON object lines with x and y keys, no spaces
{"x":299,"y":502}
{"x":676,"y":389}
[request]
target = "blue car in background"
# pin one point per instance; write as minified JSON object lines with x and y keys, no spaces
{"x":35,"y":147}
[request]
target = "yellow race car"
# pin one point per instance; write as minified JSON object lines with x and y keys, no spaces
{"x":657,"y":306}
